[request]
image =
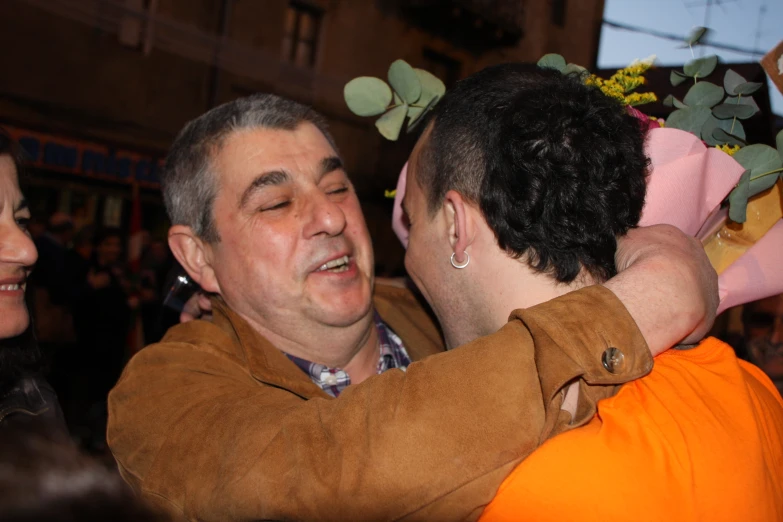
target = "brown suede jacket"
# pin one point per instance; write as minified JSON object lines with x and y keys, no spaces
{"x":214,"y":423}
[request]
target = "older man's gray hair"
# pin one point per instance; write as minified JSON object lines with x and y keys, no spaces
{"x":189,"y":181}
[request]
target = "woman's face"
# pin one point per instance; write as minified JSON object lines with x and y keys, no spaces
{"x":17,"y":252}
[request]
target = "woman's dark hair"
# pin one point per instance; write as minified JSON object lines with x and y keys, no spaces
{"x":557,"y":167}
{"x":11,"y":148}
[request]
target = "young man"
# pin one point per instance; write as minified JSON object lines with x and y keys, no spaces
{"x":516,"y":194}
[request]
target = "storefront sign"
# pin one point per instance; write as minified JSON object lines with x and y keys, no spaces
{"x":85,"y":158}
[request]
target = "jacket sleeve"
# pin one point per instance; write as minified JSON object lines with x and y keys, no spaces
{"x":194,"y":432}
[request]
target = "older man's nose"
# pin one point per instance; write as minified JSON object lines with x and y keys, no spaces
{"x":326,"y":217}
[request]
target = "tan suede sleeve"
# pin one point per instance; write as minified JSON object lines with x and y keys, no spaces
{"x":192,"y":428}
{"x":600,"y":322}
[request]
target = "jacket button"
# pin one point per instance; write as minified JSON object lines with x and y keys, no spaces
{"x":613,"y":360}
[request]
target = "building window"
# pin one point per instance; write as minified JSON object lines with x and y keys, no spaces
{"x":443,"y":66}
{"x":302,"y":24}
{"x":558,"y":12}
{"x":130,"y":26}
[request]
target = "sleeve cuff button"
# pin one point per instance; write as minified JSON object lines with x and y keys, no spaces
{"x":613,"y":360}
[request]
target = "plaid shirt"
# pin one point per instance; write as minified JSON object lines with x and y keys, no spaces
{"x":335,"y":380}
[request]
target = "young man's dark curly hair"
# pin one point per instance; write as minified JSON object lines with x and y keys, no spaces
{"x":557,"y":168}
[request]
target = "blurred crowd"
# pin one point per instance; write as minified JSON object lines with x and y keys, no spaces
{"x":92,"y":310}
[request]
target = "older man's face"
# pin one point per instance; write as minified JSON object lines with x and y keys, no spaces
{"x":294,"y":247}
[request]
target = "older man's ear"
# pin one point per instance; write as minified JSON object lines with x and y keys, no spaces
{"x":195,"y":256}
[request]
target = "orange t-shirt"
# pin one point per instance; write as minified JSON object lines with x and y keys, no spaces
{"x":699,"y":438}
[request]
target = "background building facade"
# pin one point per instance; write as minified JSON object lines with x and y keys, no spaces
{"x":97,"y":89}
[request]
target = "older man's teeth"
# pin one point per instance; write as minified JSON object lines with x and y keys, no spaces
{"x":8,"y":288}
{"x":336,"y":265}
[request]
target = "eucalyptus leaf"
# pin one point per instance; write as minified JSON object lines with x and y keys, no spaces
{"x":552,"y":61}
{"x":704,"y":94}
{"x":727,"y":110}
{"x":747,"y":88}
{"x":367,"y":96}
{"x":731,"y":81}
{"x":713,"y":124}
{"x":576,"y":70}
{"x":779,"y":144}
{"x":762,"y":182}
{"x":414,"y":122}
{"x":691,"y":119}
{"x":431,"y":87}
{"x":696,"y":35}
{"x":701,"y":67}
{"x":390,"y":124}
{"x":676,"y":78}
{"x":743,"y":100}
{"x":414,"y":112}
{"x":405,"y":81}
{"x":735,"y":137}
{"x":738,"y":199}
{"x":759,"y":159}
{"x":671,"y":101}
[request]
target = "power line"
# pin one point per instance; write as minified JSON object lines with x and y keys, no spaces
{"x":762,"y":14}
{"x":680,"y":38}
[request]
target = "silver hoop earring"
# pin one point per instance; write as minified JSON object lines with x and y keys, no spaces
{"x":463,"y":265}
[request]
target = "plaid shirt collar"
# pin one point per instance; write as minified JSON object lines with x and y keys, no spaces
{"x":334,"y":380}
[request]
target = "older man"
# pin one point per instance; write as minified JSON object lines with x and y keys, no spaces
{"x":530,"y":211}
{"x":294,"y":403}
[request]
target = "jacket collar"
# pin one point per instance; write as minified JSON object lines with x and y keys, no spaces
{"x":269,"y":365}
{"x":266,"y":363}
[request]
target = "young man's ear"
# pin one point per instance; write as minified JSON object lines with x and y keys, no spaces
{"x":195,"y":256}
{"x":460,"y":220}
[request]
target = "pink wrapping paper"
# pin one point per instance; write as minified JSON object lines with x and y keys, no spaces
{"x":688,"y":179}
{"x":755,"y":275}
{"x":687,"y":184}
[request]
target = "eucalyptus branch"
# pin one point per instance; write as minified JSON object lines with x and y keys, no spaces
{"x":734,"y":121}
{"x":403,"y":103}
{"x":765,"y":174}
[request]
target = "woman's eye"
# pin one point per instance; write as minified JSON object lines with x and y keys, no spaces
{"x":339,"y":190}
{"x":23,"y":222}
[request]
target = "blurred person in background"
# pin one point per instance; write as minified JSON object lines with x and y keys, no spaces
{"x":24,"y":394}
{"x":52,"y":246}
{"x":44,"y":478}
{"x":102,"y":319}
{"x":52,"y":292}
{"x":763,"y":338}
{"x":156,"y":261}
